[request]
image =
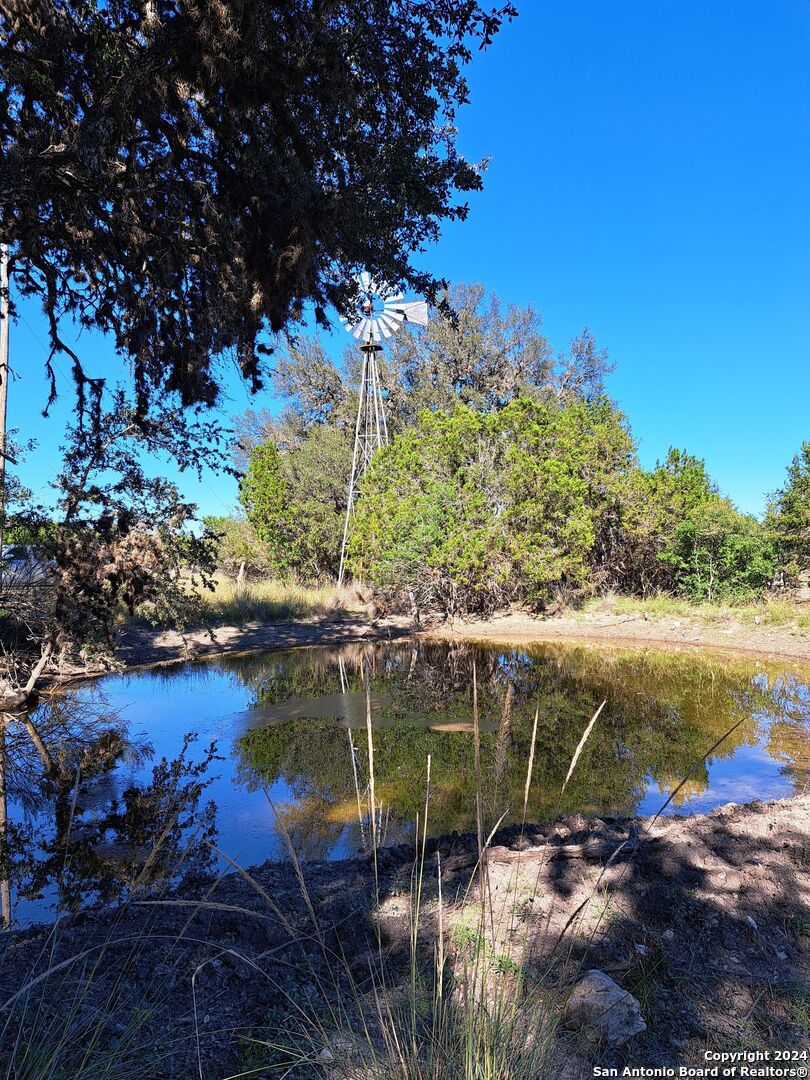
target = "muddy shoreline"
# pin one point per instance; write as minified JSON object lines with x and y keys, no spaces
{"x":605,"y":629}
{"x":704,"y":919}
{"x":145,"y":647}
{"x":142,"y":647}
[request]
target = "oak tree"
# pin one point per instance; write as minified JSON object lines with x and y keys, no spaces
{"x":187,"y":174}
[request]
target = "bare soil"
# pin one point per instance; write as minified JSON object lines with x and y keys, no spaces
{"x":606,"y":628}
{"x":706,"y":920}
{"x":140,"y":646}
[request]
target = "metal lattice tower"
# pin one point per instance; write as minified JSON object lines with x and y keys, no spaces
{"x":380,"y":312}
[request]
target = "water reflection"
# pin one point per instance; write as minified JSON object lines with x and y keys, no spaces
{"x":98,"y":811}
{"x":75,"y":828}
{"x":663,"y":712}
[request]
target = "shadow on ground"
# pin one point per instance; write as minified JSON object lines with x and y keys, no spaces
{"x":705,"y":920}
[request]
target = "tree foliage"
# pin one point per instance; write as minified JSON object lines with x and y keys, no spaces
{"x":789,"y":515}
{"x":680,"y":535}
{"x":117,"y":539}
{"x":184,"y":176}
{"x":295,"y":502}
{"x":238,"y":550}
{"x":483,"y":358}
{"x":511,"y":477}
{"x":717,"y":553}
{"x":470,"y":510}
{"x":656,"y":503}
{"x":484,"y":355}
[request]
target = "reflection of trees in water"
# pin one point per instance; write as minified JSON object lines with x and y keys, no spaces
{"x":663,"y":712}
{"x":787,"y":733}
{"x":77,"y":827}
{"x":106,"y":837}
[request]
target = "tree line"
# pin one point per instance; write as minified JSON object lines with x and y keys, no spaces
{"x":511,"y":477}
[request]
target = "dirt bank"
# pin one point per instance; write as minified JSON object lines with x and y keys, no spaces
{"x":604,"y":628}
{"x":705,"y":920}
{"x":143,"y":646}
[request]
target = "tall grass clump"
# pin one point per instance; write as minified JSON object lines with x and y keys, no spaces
{"x":233,"y":604}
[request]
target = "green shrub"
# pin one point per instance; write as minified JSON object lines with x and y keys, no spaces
{"x":788,"y":517}
{"x":467,"y":511}
{"x":718,"y":553}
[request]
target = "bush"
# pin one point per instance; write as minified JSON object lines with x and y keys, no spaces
{"x":468,"y":511}
{"x":238,"y":548}
{"x":295,"y":500}
{"x":720,"y":554}
{"x":788,"y":517}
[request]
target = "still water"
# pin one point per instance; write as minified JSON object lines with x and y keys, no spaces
{"x":124,"y":784}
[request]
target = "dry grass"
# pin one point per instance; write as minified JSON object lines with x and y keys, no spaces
{"x":273,"y":601}
{"x":766,"y":612}
{"x":491,"y":1025}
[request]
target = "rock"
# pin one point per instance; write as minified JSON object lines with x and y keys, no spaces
{"x":802,"y":593}
{"x":605,"y":1013}
{"x":641,"y":949}
{"x":326,"y":1056}
{"x":668,"y":935}
{"x":751,"y":922}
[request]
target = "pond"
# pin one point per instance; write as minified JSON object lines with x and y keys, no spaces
{"x":129,"y":783}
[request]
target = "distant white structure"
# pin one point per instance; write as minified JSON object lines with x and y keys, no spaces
{"x":380,"y":312}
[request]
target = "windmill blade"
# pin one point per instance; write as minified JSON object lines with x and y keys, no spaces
{"x":377,"y":324}
{"x":414,"y":311}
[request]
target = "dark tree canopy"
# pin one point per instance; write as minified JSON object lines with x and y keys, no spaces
{"x":186,"y":174}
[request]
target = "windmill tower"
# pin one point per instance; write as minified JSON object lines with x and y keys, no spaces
{"x":380,"y":312}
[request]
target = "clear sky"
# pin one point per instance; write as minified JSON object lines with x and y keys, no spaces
{"x":650,"y":178}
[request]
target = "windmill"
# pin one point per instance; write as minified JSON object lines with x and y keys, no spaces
{"x":380,"y":311}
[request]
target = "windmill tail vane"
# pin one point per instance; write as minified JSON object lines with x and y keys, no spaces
{"x":379,"y":311}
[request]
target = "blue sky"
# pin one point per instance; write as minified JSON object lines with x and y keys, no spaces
{"x":650,"y":177}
